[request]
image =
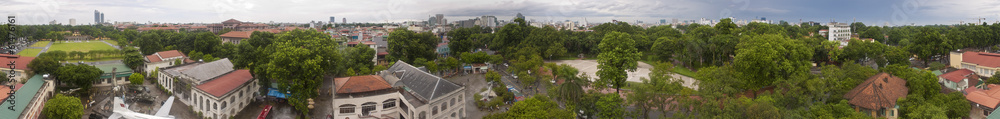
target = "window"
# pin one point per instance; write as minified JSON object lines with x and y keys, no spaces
{"x":423,"y":115}
{"x":241,"y":93}
{"x":367,"y":108}
{"x":452,"y":101}
{"x":215,"y":106}
{"x":452,"y":115}
{"x":223,"y":105}
{"x":388,"y":103}
{"x":444,"y":106}
{"x":435,"y":111}
{"x":347,"y":109}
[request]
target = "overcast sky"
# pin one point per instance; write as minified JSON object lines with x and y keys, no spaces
{"x":871,"y":12}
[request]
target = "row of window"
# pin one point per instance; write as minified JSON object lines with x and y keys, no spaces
{"x":367,"y":107}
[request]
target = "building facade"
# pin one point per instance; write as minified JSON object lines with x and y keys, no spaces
{"x":162,"y":59}
{"x":840,"y":32}
{"x":983,"y":63}
{"x":214,"y":88}
{"x":114,"y":73}
{"x":29,"y":98}
{"x":402,"y":91}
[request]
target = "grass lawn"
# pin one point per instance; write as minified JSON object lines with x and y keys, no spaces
{"x":102,"y":59}
{"x":113,"y":42}
{"x":80,"y":46}
{"x":683,"y":71}
{"x":30,"y":52}
{"x":40,"y":44}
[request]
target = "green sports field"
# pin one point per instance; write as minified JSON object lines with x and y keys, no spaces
{"x":80,"y":46}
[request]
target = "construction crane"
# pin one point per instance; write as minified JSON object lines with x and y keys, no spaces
{"x":979,"y":18}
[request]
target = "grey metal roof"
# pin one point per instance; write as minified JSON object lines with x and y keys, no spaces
{"x":423,"y":84}
{"x":201,"y":72}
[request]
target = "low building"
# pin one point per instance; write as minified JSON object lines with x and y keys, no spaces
{"x":20,"y":65}
{"x":235,"y":36}
{"x":877,"y":95}
{"x":984,"y":102}
{"x":29,"y":98}
{"x":162,"y":59}
{"x":114,"y":73}
{"x":418,"y":95}
{"x":959,"y":80}
{"x":215,"y":89}
{"x":983,"y":63}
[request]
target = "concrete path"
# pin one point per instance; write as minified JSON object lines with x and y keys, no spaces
{"x":115,"y":46}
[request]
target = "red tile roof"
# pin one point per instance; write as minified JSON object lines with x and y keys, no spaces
{"x":159,"y":56}
{"x":982,"y":58}
{"x":158,"y":28}
{"x":237,"y":34}
{"x":232,"y":21}
{"x":867,"y":96}
{"x":226,"y":83}
{"x":356,"y":84}
{"x":957,"y":76}
{"x":21,"y":62}
{"x":989,"y":98}
{"x":153,"y":58}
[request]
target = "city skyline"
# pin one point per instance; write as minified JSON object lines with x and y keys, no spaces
{"x":894,"y":12}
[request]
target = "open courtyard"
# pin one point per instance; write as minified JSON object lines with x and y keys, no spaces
{"x":642,"y":71}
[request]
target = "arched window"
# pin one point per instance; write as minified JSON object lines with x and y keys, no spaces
{"x":444,"y":106}
{"x":223,"y":105}
{"x":367,"y":107}
{"x":423,"y":115}
{"x":390,"y":103}
{"x":347,"y":108}
{"x":435,"y":111}
{"x":452,"y":102}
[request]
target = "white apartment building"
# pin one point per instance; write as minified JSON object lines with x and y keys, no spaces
{"x":840,"y":32}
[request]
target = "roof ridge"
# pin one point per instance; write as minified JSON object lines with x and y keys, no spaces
{"x":435,"y":88}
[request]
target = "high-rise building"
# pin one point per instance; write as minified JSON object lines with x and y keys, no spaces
{"x":344,"y":20}
{"x":97,"y":17}
{"x":72,"y":22}
{"x":333,"y":20}
{"x":663,"y":21}
{"x":840,"y":32}
{"x":432,"y":21}
{"x":520,"y":16}
{"x":102,"y":18}
{"x":440,"y":19}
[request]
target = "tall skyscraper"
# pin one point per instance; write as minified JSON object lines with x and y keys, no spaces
{"x":663,"y":21}
{"x":520,"y":16}
{"x":344,"y":20}
{"x":102,"y":18}
{"x":97,"y":17}
{"x":440,"y":18}
{"x":72,"y":22}
{"x":333,"y":20}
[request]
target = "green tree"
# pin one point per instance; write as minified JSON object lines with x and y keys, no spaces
{"x":298,"y":60}
{"x":133,"y":59}
{"x":63,"y":107}
{"x":767,"y":58}
{"x":81,"y":75}
{"x":995,"y":79}
{"x":618,"y":56}
{"x":44,"y":65}
{"x":537,"y":107}
{"x":610,"y":106}
{"x":136,"y":79}
{"x":407,"y":45}
{"x":928,"y":43}
{"x":657,"y":92}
